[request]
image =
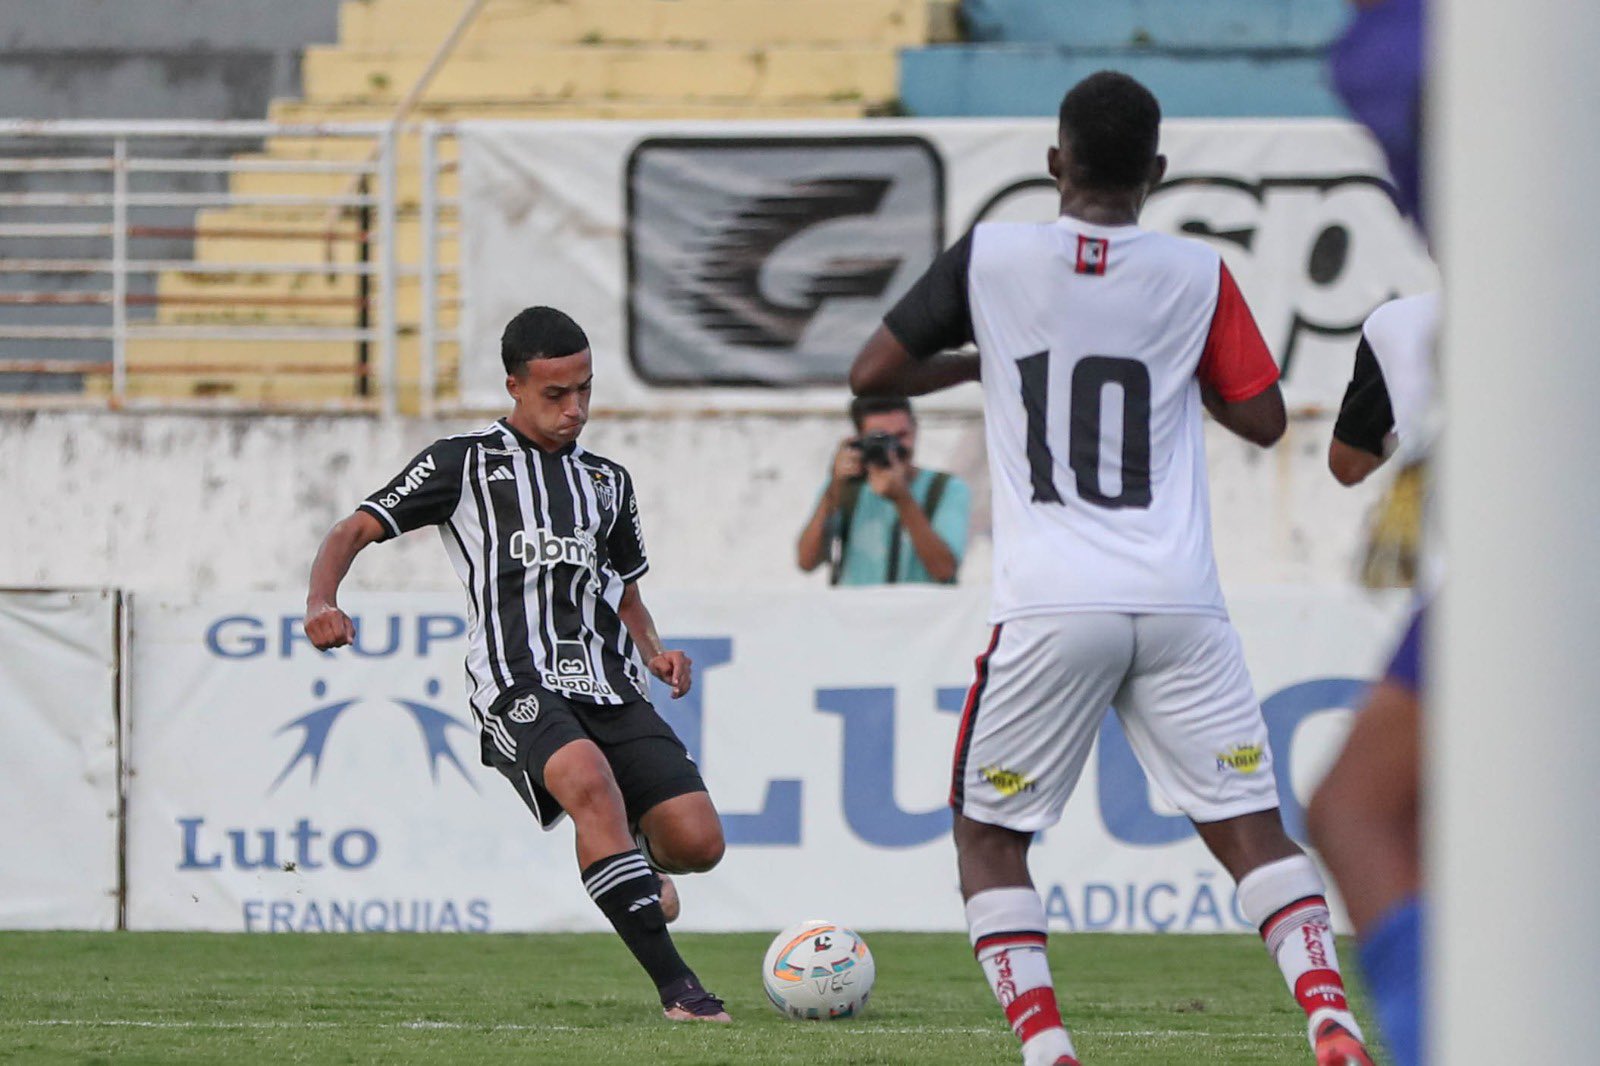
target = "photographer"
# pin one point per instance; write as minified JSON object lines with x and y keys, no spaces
{"x":881,"y":520}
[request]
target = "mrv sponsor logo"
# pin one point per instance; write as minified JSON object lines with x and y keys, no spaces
{"x":411,"y":483}
{"x":765,"y":260}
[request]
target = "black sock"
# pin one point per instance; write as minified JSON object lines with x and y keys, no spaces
{"x":628,"y":893}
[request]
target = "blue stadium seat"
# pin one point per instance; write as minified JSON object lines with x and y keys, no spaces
{"x":1220,"y":58}
{"x":964,"y":80}
{"x":1220,"y":24}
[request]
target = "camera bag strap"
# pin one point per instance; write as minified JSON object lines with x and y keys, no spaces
{"x":846,"y":514}
{"x":930,"y":504}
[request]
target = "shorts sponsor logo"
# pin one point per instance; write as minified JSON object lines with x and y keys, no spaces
{"x":576,"y":686}
{"x":1242,"y":758}
{"x":412,"y":482}
{"x":1007,"y":782}
{"x":524,"y":710}
{"x":543,"y":548}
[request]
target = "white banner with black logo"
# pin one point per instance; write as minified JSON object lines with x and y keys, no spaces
{"x":58,"y":759}
{"x":742,"y":265}
{"x":277,"y":789}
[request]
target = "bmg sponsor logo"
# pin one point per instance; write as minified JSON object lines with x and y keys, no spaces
{"x":764,"y":261}
{"x":543,"y":548}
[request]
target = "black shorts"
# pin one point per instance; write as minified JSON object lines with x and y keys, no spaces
{"x":528,"y":724}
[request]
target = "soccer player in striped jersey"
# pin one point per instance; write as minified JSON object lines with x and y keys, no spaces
{"x":546,"y":539}
{"x":1098,"y":344}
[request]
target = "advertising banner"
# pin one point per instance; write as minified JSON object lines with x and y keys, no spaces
{"x":58,"y":759}
{"x":277,"y":788}
{"x":742,"y":265}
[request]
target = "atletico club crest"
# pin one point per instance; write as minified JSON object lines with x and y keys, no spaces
{"x":604,"y":490}
{"x":1092,"y":254}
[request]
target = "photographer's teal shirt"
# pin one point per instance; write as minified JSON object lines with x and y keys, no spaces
{"x":866,"y":560}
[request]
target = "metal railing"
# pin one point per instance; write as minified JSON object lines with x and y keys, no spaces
{"x":86,"y":213}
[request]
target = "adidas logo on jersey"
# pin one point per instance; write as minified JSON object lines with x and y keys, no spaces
{"x":501,"y":473}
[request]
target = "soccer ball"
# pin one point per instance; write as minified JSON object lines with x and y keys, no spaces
{"x":818,"y":971}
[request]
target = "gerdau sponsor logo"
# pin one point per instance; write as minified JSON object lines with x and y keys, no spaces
{"x":414,"y":479}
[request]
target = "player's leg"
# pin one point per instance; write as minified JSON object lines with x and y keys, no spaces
{"x":681,"y":835}
{"x":670,"y":817}
{"x":1190,"y":714}
{"x":555,"y":766}
{"x":675,"y":824}
{"x":1030,"y":719}
{"x":1364,"y":820}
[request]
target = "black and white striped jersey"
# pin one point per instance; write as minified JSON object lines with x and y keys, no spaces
{"x":544,"y":543}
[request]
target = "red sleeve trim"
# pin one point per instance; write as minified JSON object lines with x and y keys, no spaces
{"x":1236,"y":361}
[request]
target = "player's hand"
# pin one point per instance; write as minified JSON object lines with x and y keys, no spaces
{"x":328,"y":627}
{"x":846,"y":463}
{"x":892,"y":482}
{"x":673,"y":667}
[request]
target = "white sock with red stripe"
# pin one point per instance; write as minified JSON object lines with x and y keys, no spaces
{"x":1284,"y":900}
{"x":1007,"y":927}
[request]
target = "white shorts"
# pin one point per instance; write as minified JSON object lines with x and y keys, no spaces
{"x":1177,"y":681}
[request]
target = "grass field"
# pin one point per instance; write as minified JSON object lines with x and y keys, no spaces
{"x":198,"y":998}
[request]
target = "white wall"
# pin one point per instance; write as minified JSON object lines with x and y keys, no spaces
{"x":207,"y":503}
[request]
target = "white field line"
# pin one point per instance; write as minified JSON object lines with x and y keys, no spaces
{"x":854,"y":1028}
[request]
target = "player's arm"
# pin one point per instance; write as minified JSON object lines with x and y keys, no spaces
{"x":625,"y":551}
{"x":1260,"y":419}
{"x":326,"y":625}
{"x":672,"y":667}
{"x":811,"y":550}
{"x":910,"y":353}
{"x":1238,"y":376}
{"x":423,"y":493}
{"x":886,"y":368}
{"x":1363,"y":434}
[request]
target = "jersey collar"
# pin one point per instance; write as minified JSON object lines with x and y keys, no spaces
{"x":1090,"y":229}
{"x":529,"y":442}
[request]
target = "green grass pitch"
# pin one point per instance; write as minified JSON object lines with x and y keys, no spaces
{"x":134,"y":998}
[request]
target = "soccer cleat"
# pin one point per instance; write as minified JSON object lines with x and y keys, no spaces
{"x":1336,"y":1046}
{"x":671,"y":905}
{"x":687,"y":1001}
{"x":1067,"y":1060}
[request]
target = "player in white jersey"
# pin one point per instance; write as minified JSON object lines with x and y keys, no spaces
{"x":1098,"y":344}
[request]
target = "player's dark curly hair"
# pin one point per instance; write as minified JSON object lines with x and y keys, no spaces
{"x":540,"y":333}
{"x":1112,"y":125}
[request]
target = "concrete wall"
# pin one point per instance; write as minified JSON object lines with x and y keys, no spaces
{"x":201,"y":503}
{"x":157,"y":59}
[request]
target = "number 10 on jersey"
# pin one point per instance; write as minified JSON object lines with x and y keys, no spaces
{"x":1090,"y":376}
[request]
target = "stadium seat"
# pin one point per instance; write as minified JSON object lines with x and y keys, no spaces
{"x":1230,"y":58}
{"x":523,"y":59}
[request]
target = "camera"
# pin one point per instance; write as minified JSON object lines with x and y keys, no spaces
{"x":880,"y":449}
